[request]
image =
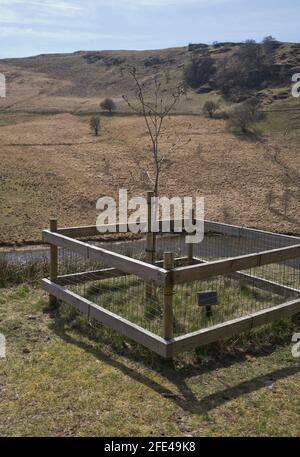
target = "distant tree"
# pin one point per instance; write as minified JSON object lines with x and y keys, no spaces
{"x":250,"y":41}
{"x":253,"y":104}
{"x":244,"y":116}
{"x":269,"y":46}
{"x":269,"y":42}
{"x":95,"y":125}
{"x":240,"y":119}
{"x":209,"y":108}
{"x":108,"y":105}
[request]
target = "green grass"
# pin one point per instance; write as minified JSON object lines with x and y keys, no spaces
{"x":14,"y":274}
{"x":14,"y":118}
{"x":280,"y":121}
{"x":66,"y":376}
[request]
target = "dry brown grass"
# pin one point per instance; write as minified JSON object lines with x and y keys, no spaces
{"x":52,"y":165}
{"x":68,"y":82}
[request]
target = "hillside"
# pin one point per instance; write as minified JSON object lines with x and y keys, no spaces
{"x":76,"y":82}
{"x":51,"y":164}
{"x":68,"y":82}
{"x":54,"y":165}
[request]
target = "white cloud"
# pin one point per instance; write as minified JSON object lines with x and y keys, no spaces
{"x":37,"y":13}
{"x":142,"y":3}
{"x":7,"y":15}
{"x":18,"y":10}
{"x":162,"y":3}
{"x":65,"y":35}
{"x":53,"y":5}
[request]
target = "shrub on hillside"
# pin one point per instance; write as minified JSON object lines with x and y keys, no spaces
{"x":210,"y":107}
{"x":95,"y":125}
{"x":108,"y":105}
{"x":245,"y":115}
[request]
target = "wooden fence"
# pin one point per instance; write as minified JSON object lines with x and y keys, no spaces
{"x":167,"y":275}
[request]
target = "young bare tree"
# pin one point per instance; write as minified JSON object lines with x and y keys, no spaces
{"x":155,"y":112}
{"x":286,"y":200}
{"x":95,"y":124}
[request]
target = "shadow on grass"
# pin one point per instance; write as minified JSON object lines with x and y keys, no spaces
{"x":254,"y":135}
{"x":183,"y":396}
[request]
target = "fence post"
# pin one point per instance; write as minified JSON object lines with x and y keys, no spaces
{"x":168,"y":299}
{"x":150,"y":255}
{"x":190,"y":246}
{"x":53,"y":302}
{"x":150,"y":235}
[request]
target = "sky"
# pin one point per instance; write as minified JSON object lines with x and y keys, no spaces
{"x":55,"y":26}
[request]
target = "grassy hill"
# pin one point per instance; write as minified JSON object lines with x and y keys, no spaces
{"x":52,"y":164}
{"x":78,"y":81}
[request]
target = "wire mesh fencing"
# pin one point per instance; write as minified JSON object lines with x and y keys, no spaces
{"x":238,"y":294}
{"x":126,"y":296}
{"x":133,"y":298}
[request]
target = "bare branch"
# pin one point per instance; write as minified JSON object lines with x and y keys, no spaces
{"x":154,"y":114}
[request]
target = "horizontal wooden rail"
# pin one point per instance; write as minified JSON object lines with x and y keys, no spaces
{"x":111,"y":259}
{"x":260,"y":283}
{"x":210,"y":226}
{"x":222,"y":267}
{"x":99,"y":275}
{"x":231,"y":328}
{"x":93,"y":230}
{"x":169,"y":349}
{"x":123,"y":326}
{"x":109,"y":273}
{"x":235,"y":230}
{"x":265,"y":284}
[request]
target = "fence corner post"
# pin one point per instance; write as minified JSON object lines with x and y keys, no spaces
{"x":190,"y":246}
{"x":168,"y":317}
{"x":150,"y":254}
{"x":53,"y":302}
{"x":150,"y":247}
